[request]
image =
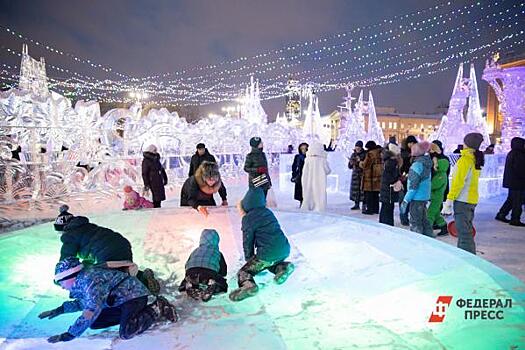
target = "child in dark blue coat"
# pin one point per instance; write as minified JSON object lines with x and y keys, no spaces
{"x":264,"y":243}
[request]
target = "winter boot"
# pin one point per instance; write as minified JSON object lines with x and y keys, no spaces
{"x":355,"y":207}
{"x":502,"y":218}
{"x":151,"y":283}
{"x":164,"y":309}
{"x":139,"y":323}
{"x":248,"y":289}
{"x":283,"y":271}
{"x":516,"y":223}
{"x":443,"y":231}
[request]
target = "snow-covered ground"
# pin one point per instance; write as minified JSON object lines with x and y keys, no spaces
{"x":358,"y":284}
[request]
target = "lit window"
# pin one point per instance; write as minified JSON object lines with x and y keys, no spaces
{"x":395,"y":125}
{"x":390,"y":125}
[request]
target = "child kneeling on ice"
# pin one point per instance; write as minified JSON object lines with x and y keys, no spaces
{"x":265,"y":245}
{"x":205,"y":269}
{"x":132,"y":200}
{"x":106,"y":298}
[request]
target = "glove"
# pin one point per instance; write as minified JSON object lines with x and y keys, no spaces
{"x":262,"y":170}
{"x":403,"y":207}
{"x":61,"y":337}
{"x":448,"y":207}
{"x":203,"y":210}
{"x":52,"y":313}
{"x":224,"y":203}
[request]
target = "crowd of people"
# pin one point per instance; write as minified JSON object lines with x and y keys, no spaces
{"x":415,"y":175}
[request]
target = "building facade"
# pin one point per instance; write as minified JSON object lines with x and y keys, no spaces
{"x":393,"y":124}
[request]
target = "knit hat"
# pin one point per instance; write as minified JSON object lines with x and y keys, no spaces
{"x":151,"y":149}
{"x":411,"y":139}
{"x":255,"y":141}
{"x":253,"y":199}
{"x":359,"y":144}
{"x":67,"y":268}
{"x":63,"y":218}
{"x":370,"y":145}
{"x":420,"y":148}
{"x":473,"y":140}
{"x":210,"y":170}
{"x":200,"y":145}
{"x":392,"y":147}
{"x":128,"y":188}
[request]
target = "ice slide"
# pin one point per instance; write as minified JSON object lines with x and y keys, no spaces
{"x":357,"y":284}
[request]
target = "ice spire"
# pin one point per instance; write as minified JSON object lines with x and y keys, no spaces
{"x":375,"y":132}
{"x":474,"y":113}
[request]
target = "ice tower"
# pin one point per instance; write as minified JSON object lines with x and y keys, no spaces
{"x":32,"y":74}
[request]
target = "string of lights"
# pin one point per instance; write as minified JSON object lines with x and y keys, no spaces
{"x":395,"y":48}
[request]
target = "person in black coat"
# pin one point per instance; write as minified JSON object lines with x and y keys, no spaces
{"x":97,"y":245}
{"x":198,"y":190}
{"x":357,"y":157}
{"x":514,"y":180}
{"x":405,"y":168}
{"x":200,"y":156}
{"x":256,"y":166}
{"x":297,"y":171}
{"x":154,"y":175}
{"x":387,"y":195}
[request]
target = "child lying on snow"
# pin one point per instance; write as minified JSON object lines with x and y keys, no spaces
{"x":260,"y":232}
{"x":134,"y":201}
{"x":100,"y":246}
{"x":106,"y":298}
{"x":205,"y":269}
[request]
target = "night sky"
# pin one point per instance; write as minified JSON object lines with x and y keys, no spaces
{"x":148,"y":37}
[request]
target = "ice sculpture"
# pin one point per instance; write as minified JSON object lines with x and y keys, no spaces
{"x":453,"y":126}
{"x":251,"y":108}
{"x":33,"y":73}
{"x":354,"y":129}
{"x":352,"y":123}
{"x":313,"y":127}
{"x":374,"y":133}
{"x":509,"y":86}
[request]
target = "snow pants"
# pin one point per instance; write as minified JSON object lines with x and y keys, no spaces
{"x":434,"y":209}
{"x":464,"y":215}
{"x":418,"y":218}
{"x":513,"y":202}
{"x":134,"y":317}
{"x":254,"y":266}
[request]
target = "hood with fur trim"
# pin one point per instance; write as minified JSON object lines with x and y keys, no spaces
{"x":203,"y":186}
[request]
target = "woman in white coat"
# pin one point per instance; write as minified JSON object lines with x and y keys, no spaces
{"x":314,"y":178}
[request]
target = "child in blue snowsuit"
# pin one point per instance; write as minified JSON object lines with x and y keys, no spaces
{"x":264,"y":243}
{"x":205,"y":269}
{"x":106,"y":298}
